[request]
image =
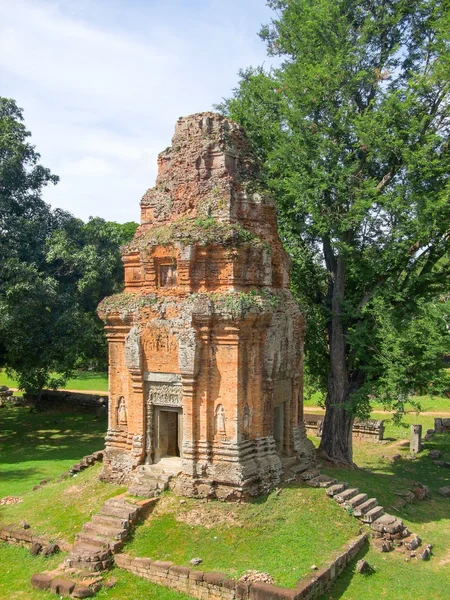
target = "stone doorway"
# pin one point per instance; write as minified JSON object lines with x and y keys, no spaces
{"x":168,"y":434}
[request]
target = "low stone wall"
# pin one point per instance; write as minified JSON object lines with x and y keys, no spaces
{"x":441,"y":425}
{"x":73,"y":401}
{"x":217,"y":586}
{"x":13,"y":534}
{"x":371,"y":430}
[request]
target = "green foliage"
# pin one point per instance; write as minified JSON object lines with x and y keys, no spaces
{"x":353,"y":132}
{"x":85,"y":259}
{"x":55,"y":269}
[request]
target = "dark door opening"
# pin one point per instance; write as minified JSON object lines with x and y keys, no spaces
{"x":168,"y":430}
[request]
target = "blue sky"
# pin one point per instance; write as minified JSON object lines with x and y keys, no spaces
{"x":102,"y":83}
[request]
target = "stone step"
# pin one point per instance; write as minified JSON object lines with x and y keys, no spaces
{"x":129,"y":514}
{"x":113,"y":533}
{"x":159,"y":483}
{"x":337,"y":488}
{"x":373,"y":514}
{"x":120,"y":502}
{"x":111,"y":521}
{"x":322,"y":481}
{"x":91,"y":538}
{"x":84,"y":551}
{"x":355,"y":501}
{"x":299,"y":468}
{"x":346,"y":495}
{"x":144,"y":491}
{"x":364,"y":508}
{"x":149,"y":470}
{"x":387,"y":524}
{"x":95,"y":566}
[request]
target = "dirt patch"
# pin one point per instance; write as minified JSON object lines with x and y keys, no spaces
{"x":445,"y":560}
{"x":205,"y":517}
{"x":199,"y":513}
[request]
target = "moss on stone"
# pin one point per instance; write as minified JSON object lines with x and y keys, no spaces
{"x":240,"y":303}
{"x":125,"y":304}
{"x":202,"y":231}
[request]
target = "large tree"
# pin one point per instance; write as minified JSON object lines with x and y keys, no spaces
{"x":55,"y":269}
{"x":352,"y":129}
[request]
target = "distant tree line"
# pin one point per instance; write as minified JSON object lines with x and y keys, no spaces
{"x":55,"y":269}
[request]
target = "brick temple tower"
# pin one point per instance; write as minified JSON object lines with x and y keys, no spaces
{"x":205,"y":343}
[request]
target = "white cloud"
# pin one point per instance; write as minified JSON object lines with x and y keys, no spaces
{"x":102,"y":84}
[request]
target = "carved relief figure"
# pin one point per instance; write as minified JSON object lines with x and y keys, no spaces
{"x":246,"y":419}
{"x":220,"y":420}
{"x":122,"y":412}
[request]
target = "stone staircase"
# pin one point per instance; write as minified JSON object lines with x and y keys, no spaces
{"x":103,"y":535}
{"x":150,"y":480}
{"x":79,"y":576}
{"x":388,"y":531}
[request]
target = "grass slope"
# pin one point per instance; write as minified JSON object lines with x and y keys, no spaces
{"x":59,"y":509}
{"x":282,"y":535}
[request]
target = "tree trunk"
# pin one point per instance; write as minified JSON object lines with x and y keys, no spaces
{"x":336,"y":442}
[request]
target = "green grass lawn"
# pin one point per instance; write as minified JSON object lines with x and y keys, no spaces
{"x":380,"y":477}
{"x":427,"y":403}
{"x":282,"y":535}
{"x":82,"y":380}
{"x":18,"y":566}
{"x":41,"y":445}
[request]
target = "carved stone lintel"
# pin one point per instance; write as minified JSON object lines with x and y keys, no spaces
{"x":165,"y":390}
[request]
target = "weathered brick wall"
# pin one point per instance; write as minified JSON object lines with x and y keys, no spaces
{"x":371,"y":430}
{"x":73,"y":401}
{"x":217,"y":586}
{"x":12,"y":534}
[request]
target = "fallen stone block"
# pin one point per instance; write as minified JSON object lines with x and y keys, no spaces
{"x":82,"y":591}
{"x":41,"y":581}
{"x":362,"y":566}
{"x":62,"y":587}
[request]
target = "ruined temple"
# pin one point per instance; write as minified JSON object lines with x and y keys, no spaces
{"x":206,"y":342}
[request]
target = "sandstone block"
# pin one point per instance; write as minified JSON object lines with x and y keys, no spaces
{"x":82,"y":591}
{"x":62,"y":587}
{"x":41,"y":581}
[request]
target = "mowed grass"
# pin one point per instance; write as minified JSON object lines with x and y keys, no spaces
{"x":82,"y":380}
{"x":381,"y":477}
{"x":42,"y":445}
{"x":18,"y":566}
{"x":282,"y":535}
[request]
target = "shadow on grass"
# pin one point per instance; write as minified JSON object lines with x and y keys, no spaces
{"x":51,"y":435}
{"x":340,"y":586}
{"x":17,"y":474}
